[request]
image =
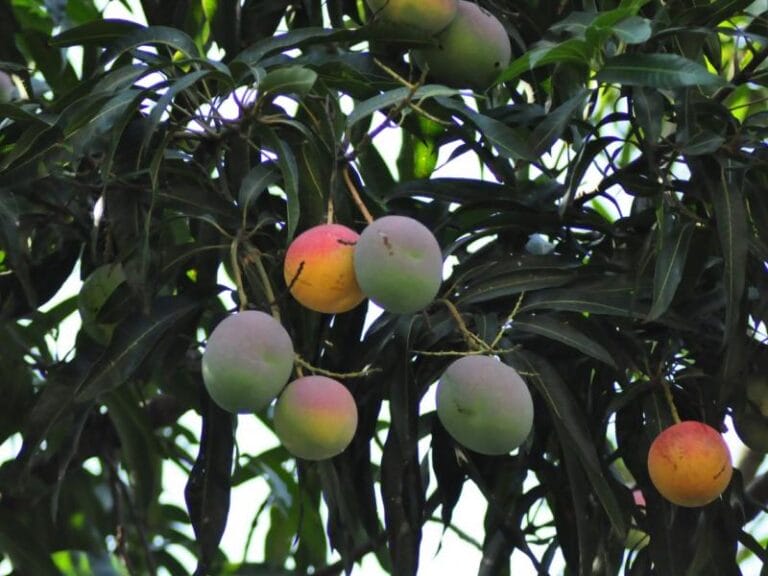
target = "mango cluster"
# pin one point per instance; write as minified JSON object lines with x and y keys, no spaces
{"x":396,"y":262}
{"x":248,"y":362}
{"x":471,"y":45}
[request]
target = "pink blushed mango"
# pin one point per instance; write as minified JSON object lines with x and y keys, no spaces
{"x":315,"y":417}
{"x":247,"y":361}
{"x":319,"y":270}
{"x":690,"y":464}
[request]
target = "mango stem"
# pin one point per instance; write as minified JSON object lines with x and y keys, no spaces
{"x":670,"y":401}
{"x":301,"y":364}
{"x":356,"y":196}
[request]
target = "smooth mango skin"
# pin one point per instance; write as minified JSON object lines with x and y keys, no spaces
{"x":429,"y":16}
{"x":690,"y":464}
{"x":398,"y":264}
{"x":315,"y":417}
{"x":6,"y":88}
{"x":247,"y":361}
{"x":319,"y":271}
{"x":485,"y":405}
{"x":471,"y":52}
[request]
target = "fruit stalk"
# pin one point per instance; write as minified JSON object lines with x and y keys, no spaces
{"x":356,"y":197}
{"x":670,"y":401}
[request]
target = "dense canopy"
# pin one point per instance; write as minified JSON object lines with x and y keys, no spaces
{"x":606,"y":237}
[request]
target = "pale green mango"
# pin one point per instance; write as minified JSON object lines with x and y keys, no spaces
{"x":471,"y":52}
{"x":430,"y":16}
{"x":485,"y":405}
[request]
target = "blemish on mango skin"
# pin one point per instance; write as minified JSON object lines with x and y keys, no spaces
{"x":319,"y":269}
{"x":690,"y":464}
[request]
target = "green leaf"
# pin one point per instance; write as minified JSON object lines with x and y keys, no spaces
{"x":393,"y":98}
{"x":255,"y":183}
{"x":97,"y":33}
{"x":138,"y":446}
{"x":154,"y":35}
{"x":286,"y":161}
{"x":289,"y":80}
{"x":657,"y":71}
{"x":279,"y":43}
{"x":610,"y":299}
{"x":572,"y":51}
{"x":208,"y":488}
{"x":563,"y":406}
{"x":648,"y":108}
{"x":133,"y":341}
{"x":561,"y":331}
{"x":161,"y":107}
{"x":633,"y":30}
{"x":556,"y":122}
{"x":24,"y":548}
{"x":674,"y":238}
{"x":512,"y":283}
{"x":727,"y":194}
{"x":512,"y":144}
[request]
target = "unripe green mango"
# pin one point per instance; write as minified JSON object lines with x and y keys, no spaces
{"x":430,"y":16}
{"x":471,"y":52}
{"x":485,"y":405}
{"x":398,"y":264}
{"x":247,"y":361}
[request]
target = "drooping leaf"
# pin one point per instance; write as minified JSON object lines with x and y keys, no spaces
{"x":563,"y":407}
{"x":396,"y":97}
{"x":551,"y":328}
{"x":98,"y":32}
{"x":155,"y":35}
{"x":674,"y":238}
{"x":207,"y":492}
{"x":727,"y":196}
{"x":656,"y":71}
{"x":132,"y":342}
{"x":290,"y":80}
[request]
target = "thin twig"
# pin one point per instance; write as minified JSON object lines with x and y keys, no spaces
{"x":356,"y":196}
{"x":301,"y":363}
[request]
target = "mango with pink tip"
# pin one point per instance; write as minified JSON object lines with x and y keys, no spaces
{"x":315,"y":417}
{"x":247,"y":361}
{"x":398,"y":264}
{"x":485,"y":405}
{"x":319,"y":271}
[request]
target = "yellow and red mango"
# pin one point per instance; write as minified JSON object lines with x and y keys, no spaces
{"x":398,"y":264}
{"x":315,"y":417}
{"x":471,"y":52}
{"x":319,"y":271}
{"x":484,"y":404}
{"x":430,"y":16}
{"x":247,"y":361}
{"x":690,"y":464}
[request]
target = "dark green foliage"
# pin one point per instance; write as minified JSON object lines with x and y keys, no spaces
{"x":617,"y":243}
